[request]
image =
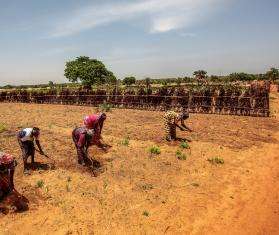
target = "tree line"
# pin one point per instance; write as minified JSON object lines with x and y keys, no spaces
{"x":89,"y":72}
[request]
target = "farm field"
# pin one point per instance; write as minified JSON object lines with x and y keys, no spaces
{"x":135,"y":192}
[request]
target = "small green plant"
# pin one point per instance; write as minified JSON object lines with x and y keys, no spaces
{"x":147,"y":187}
{"x":69,"y":179}
{"x":155,"y":150}
{"x":40,"y":183}
{"x":105,"y":107}
{"x":105,"y":185}
{"x":184,"y":145}
{"x":46,"y":189}
{"x":2,"y":127}
{"x":125,"y":141}
{"x":216,"y":160}
{"x":180,"y":155}
{"x":145,"y":213}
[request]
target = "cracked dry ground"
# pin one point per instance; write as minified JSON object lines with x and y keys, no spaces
{"x":136,"y":193}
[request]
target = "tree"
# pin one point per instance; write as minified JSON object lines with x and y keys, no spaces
{"x":8,"y":87}
{"x":51,"y":84}
{"x":272,"y":74}
{"x":242,"y":77}
{"x":129,"y":80}
{"x":88,"y":71}
{"x":148,"y":82}
{"x":179,"y":81}
{"x":200,"y":74}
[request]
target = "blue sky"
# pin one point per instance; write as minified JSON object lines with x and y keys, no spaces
{"x":144,"y":38}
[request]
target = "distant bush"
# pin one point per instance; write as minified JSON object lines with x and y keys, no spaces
{"x":129,"y":81}
{"x":242,"y":77}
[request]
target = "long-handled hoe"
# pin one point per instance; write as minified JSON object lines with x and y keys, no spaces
{"x":52,"y":164}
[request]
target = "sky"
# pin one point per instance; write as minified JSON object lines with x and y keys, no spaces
{"x":141,"y":38}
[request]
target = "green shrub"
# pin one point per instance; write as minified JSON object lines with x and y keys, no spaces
{"x":125,"y":141}
{"x":40,"y":183}
{"x":2,"y":127}
{"x":105,"y":107}
{"x":155,"y":150}
{"x":216,"y":160}
{"x":180,"y":155}
{"x":184,"y":145}
{"x":145,"y":213}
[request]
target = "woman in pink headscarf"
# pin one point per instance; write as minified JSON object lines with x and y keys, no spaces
{"x":95,"y":122}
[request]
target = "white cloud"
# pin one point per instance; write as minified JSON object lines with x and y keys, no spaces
{"x":165,"y":24}
{"x":162,"y":15}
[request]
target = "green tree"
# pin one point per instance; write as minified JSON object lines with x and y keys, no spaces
{"x":272,"y":74}
{"x":242,"y":77}
{"x":200,"y":74}
{"x":148,"y":82}
{"x":179,"y":81}
{"x":129,"y":80}
{"x":51,"y":84}
{"x":215,"y":78}
{"x":88,"y":71}
{"x":8,"y":87}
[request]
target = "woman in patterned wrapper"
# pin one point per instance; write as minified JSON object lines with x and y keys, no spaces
{"x":7,"y":167}
{"x":171,"y":120}
{"x":9,"y":196}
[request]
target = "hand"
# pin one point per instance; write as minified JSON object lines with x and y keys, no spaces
{"x":42,"y":152}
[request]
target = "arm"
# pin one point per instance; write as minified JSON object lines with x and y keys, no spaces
{"x":180,"y":127}
{"x":177,"y":125}
{"x":39,"y":146}
{"x":101,"y":126}
{"x":185,"y":127}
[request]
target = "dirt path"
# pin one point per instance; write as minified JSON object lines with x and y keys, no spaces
{"x":136,"y":193}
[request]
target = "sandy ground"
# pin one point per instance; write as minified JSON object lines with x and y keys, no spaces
{"x":137,"y":193}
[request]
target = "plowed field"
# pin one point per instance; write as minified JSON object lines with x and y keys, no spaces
{"x":135,"y":192}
